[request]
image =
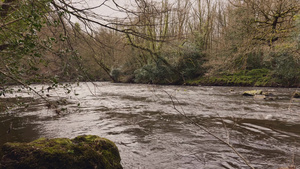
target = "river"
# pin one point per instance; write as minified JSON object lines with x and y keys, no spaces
{"x":151,"y":134}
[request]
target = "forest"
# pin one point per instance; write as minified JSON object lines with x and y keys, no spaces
{"x":200,"y":42}
{"x":58,"y":58}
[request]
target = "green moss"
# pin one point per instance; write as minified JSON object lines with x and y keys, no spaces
{"x":86,"y":151}
{"x":253,"y":92}
{"x":255,"y":77}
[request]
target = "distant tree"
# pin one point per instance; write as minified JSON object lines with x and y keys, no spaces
{"x":32,"y":30}
{"x":267,"y":21}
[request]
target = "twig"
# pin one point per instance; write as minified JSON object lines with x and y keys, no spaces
{"x":182,"y":112}
{"x":25,"y":85}
{"x":11,"y":22}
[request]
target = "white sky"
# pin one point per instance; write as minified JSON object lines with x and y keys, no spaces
{"x":108,"y":9}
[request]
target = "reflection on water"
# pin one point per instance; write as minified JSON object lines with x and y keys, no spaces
{"x":141,"y":120}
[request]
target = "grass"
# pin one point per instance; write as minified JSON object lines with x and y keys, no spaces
{"x":254,"y":77}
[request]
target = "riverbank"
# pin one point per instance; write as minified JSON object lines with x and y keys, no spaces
{"x":247,"y":78}
{"x":254,"y":78}
{"x":244,"y":78}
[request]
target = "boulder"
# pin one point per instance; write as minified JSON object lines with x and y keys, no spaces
{"x":253,"y":92}
{"x":259,"y":97}
{"x":87,"y":151}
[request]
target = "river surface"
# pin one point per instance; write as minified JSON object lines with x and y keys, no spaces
{"x":153,"y":134}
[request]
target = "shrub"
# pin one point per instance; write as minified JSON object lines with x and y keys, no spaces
{"x":115,"y":73}
{"x":190,"y":63}
{"x":173,"y":67}
{"x":157,"y":73}
{"x":251,"y":60}
{"x":287,"y":68}
{"x":255,"y":60}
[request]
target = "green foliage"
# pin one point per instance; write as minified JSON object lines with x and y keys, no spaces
{"x":190,"y":62}
{"x":183,"y":65}
{"x":251,"y":60}
{"x":115,"y":73}
{"x":77,"y":27}
{"x":87,"y":151}
{"x":22,"y":52}
{"x":287,"y":68}
{"x":34,"y":46}
{"x":254,"y":77}
{"x":199,"y":40}
{"x":255,"y":60}
{"x":156,"y":72}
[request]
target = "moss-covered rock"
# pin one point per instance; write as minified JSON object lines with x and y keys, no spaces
{"x":252,"y":92}
{"x":87,"y":151}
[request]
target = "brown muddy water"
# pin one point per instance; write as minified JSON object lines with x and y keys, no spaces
{"x":151,"y":134}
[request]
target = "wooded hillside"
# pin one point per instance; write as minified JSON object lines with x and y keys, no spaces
{"x":233,"y":42}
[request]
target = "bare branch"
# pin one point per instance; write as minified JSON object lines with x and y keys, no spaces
{"x":182,"y":112}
